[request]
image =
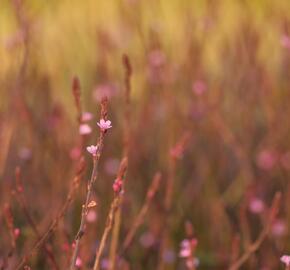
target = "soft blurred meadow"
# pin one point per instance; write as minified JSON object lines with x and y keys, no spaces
{"x":209,"y":110}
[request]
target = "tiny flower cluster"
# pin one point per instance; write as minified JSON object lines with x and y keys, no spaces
{"x":104,"y":125}
{"x":285,"y":259}
{"x":187,"y":248}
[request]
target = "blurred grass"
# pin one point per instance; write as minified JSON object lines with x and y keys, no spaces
{"x":66,"y":33}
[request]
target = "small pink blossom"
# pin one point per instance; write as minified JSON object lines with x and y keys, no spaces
{"x":91,"y":216}
{"x":104,"y":90}
{"x":105,"y":263}
{"x":279,"y":227}
{"x":177,"y":151}
{"x":104,"y":125}
{"x":117,"y":186}
{"x":192,"y":262}
{"x":169,"y":256}
{"x":65,"y":247}
{"x":285,"y":259}
{"x":147,"y":239}
{"x":256,"y":206}
{"x":187,"y":248}
{"x":16,"y":232}
{"x":285,"y":41}
{"x":111,"y":166}
{"x":199,"y":87}
{"x":92,"y":149}
{"x":266,"y":159}
{"x":87,"y":116}
{"x":85,"y":129}
{"x":25,"y":153}
{"x":75,"y":153}
{"x":156,"y":58}
{"x":79,"y":262}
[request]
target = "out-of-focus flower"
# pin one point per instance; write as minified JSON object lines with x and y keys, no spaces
{"x":187,"y":247}
{"x":92,"y":149}
{"x":16,"y":232}
{"x":111,"y":166}
{"x":256,"y":206}
{"x":118,"y":184}
{"x":65,"y":247}
{"x":104,"y":125}
{"x":75,"y":153}
{"x":85,"y":129}
{"x":87,"y":116}
{"x":192,"y":262}
{"x":266,"y":159}
{"x":199,"y":87}
{"x":105,"y":263}
{"x":169,"y":256}
{"x":279,"y":227}
{"x":25,"y":153}
{"x":285,"y":259}
{"x":147,"y":239}
{"x":91,"y":216}
{"x":177,"y":151}
{"x":79,"y":262}
{"x":285,"y":41}
{"x":156,"y":58}
{"x":104,"y":90}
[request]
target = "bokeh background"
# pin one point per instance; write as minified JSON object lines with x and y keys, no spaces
{"x":217,"y":70}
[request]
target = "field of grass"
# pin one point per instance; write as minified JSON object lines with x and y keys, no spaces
{"x":192,"y":172}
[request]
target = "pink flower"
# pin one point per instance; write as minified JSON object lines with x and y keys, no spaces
{"x":16,"y":232}
{"x":91,"y":216}
{"x":147,"y":239}
{"x":92,"y":149}
{"x":199,"y":87}
{"x":285,"y":41}
{"x":187,"y":248}
{"x":156,"y":58}
{"x":104,"y":90}
{"x":266,"y":159}
{"x":117,"y":186}
{"x":85,"y":129}
{"x":25,"y":153}
{"x":75,"y":153}
{"x":87,"y":116}
{"x":79,"y":262}
{"x":111,"y":166}
{"x":104,"y":125}
{"x":256,"y":206}
{"x":285,"y":259}
{"x":279,"y":228}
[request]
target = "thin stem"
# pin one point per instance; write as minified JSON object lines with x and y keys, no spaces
{"x":109,"y":224}
{"x":115,"y":207}
{"x":141,"y":216}
{"x":126,"y":140}
{"x":96,"y":158}
{"x":61,"y":213}
{"x":81,"y":232}
{"x":19,"y":195}
{"x":264,"y":233}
